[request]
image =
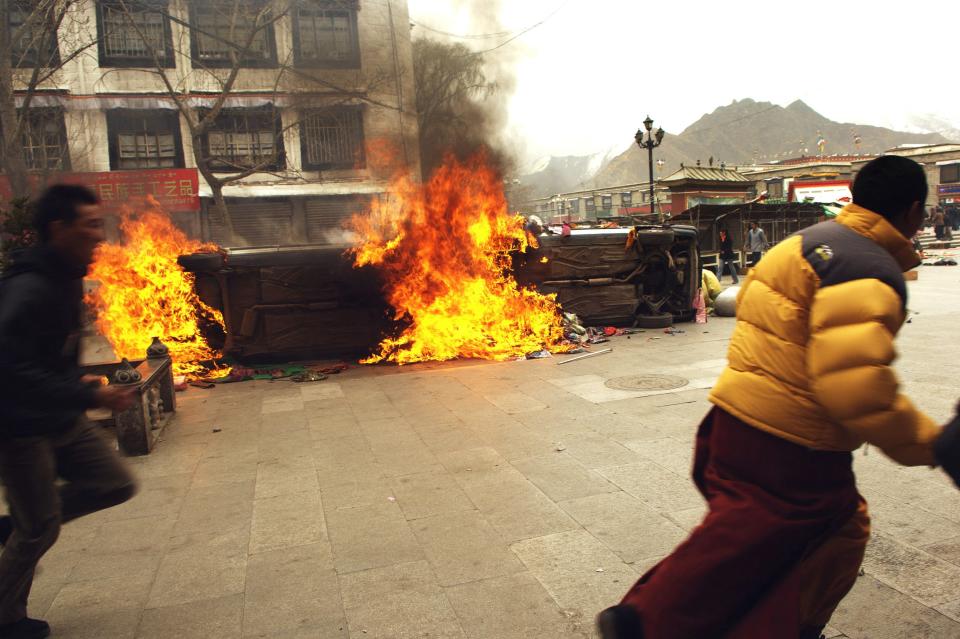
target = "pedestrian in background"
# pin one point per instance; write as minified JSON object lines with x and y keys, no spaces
{"x":938,"y":222}
{"x":727,"y":256}
{"x":756,"y":243}
{"x":54,"y":465}
{"x":808,"y":382}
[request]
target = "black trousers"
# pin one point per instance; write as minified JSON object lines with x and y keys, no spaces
{"x":94,"y":477}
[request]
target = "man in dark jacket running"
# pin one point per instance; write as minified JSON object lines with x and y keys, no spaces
{"x":43,"y":396}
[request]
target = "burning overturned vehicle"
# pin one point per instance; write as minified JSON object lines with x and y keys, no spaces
{"x":441,"y":271}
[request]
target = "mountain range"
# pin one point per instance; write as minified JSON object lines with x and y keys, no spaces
{"x":740,"y":133}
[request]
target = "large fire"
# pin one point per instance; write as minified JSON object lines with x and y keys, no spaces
{"x":444,"y":251}
{"x":143,"y":292}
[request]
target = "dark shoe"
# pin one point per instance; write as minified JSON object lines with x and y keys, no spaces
{"x":26,"y":628}
{"x":619,"y":622}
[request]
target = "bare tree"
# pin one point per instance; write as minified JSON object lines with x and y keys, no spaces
{"x":34,"y":47}
{"x":451,"y":86}
{"x":238,"y":35}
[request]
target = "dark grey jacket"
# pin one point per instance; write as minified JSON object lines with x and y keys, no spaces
{"x":41,"y":392}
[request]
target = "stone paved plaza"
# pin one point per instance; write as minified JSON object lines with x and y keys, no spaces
{"x":468,"y":500}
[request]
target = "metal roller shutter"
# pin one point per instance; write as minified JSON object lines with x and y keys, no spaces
{"x":325,"y":216}
{"x":262,"y":222}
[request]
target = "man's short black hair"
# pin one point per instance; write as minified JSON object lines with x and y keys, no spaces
{"x":59,"y":202}
{"x":889,"y":185}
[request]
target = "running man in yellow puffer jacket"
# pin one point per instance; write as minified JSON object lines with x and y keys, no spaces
{"x":808,"y":381}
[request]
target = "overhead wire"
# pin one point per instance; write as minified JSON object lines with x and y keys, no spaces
{"x":482,"y":36}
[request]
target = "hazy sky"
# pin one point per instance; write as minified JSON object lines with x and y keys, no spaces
{"x":587,"y":77}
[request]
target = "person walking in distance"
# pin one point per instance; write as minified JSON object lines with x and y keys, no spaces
{"x":54,"y":465}
{"x":756,"y":243}
{"x":808,"y":382}
{"x":727,"y":256}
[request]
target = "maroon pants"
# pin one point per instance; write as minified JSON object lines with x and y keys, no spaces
{"x":771,"y":502}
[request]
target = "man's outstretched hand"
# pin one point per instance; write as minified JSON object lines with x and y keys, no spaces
{"x":116,"y":398}
{"x":947,"y":449}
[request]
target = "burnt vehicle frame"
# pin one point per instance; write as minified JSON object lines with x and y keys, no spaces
{"x":303,"y":302}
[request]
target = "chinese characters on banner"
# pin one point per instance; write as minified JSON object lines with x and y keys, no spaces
{"x":176,"y":190}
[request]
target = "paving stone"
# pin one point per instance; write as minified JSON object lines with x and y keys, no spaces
{"x":218,"y":618}
{"x":661,"y":489}
{"x":511,"y":607}
{"x":426,"y":494}
{"x":217,"y":507}
{"x":579,"y":572}
{"x":514,"y":506}
{"x":464,"y":547}
{"x":596,"y":451}
{"x":293,"y":519}
{"x":293,"y":590}
{"x":398,"y":602}
{"x":910,"y":570}
{"x":626,"y":525}
{"x":561,"y":477}
{"x":873,"y":610}
{"x":355,"y":548}
{"x":201,"y":566}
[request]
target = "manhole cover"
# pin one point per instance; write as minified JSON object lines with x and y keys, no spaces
{"x":647,"y":382}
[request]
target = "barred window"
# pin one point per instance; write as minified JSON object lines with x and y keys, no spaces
{"x":589,"y":205}
{"x":142,"y":139}
{"x":33,"y":38}
{"x":132,"y":33}
{"x":325,"y":33}
{"x":44,"y":140}
{"x":606,"y":202}
{"x":220,"y":28}
{"x":574,"y":205}
{"x":332,"y":138}
{"x":246,"y":138}
{"x":626,"y":199}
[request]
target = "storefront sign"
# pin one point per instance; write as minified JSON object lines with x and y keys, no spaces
{"x":821,"y":192}
{"x":173,"y":189}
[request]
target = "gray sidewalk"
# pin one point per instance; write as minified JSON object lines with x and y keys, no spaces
{"x":479,"y":500}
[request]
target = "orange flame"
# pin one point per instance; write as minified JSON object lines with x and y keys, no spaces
{"x":444,"y":251}
{"x":143,"y":292}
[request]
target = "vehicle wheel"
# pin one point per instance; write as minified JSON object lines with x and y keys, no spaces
{"x":660,"y":320}
{"x":655,"y":236}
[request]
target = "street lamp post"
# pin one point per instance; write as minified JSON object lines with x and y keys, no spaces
{"x":649,"y":141}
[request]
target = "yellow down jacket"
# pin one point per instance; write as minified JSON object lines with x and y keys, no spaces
{"x":810,"y":356}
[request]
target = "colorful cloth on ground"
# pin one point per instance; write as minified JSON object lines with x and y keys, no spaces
{"x":780,"y":546}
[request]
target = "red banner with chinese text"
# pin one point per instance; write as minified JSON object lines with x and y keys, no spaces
{"x":174,"y":189}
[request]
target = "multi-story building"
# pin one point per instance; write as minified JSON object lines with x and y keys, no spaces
{"x":323,"y":106}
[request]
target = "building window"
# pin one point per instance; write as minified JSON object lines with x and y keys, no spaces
{"x":134,"y":33}
{"x":44,"y":140}
{"x":221,"y":29}
{"x":574,"y":206}
{"x":589,"y":205}
{"x":949,"y":173}
{"x":325,"y":34}
{"x":775,"y":189}
{"x":606,"y":202}
{"x":626,"y":199}
{"x":142,"y":139}
{"x":33,"y":38}
{"x":241,"y":139}
{"x":332,"y":138}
